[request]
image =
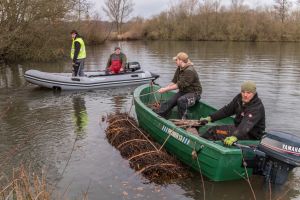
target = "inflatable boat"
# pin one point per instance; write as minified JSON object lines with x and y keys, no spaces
{"x":92,"y":80}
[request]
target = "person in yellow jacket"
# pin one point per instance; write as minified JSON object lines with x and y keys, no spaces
{"x":78,"y":53}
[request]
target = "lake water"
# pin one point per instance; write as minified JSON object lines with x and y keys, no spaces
{"x":44,"y":129}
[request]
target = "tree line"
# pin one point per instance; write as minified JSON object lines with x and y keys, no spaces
{"x":209,"y":20}
{"x":39,"y":29}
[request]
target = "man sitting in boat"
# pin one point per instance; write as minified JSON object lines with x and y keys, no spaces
{"x":249,"y":121}
{"x":187,"y":81}
{"x":116,"y":62}
{"x":78,"y":53}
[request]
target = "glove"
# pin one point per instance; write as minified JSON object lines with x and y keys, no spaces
{"x":204,"y":120}
{"x":230,"y":140}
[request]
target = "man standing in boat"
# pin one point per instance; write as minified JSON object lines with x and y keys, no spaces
{"x":249,"y":121}
{"x":116,"y":62}
{"x":187,"y":81}
{"x":78,"y":53}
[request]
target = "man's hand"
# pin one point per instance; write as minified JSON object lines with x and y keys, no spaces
{"x":230,"y":140}
{"x":204,"y":120}
{"x":162,"y":90}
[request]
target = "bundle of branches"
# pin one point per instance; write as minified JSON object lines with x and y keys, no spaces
{"x":144,"y":155}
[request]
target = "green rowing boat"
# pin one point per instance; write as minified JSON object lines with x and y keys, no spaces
{"x":211,"y":158}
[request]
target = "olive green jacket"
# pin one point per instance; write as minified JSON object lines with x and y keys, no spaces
{"x":187,"y":79}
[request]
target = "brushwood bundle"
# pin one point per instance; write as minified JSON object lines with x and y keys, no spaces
{"x":144,"y":155}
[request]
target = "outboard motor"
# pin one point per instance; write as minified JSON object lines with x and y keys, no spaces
{"x":282,"y":154}
{"x":133,"y":66}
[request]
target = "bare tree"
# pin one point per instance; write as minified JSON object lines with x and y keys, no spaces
{"x":81,"y":7}
{"x":118,"y":11}
{"x":27,"y":27}
{"x":237,"y":5}
{"x":282,"y":9}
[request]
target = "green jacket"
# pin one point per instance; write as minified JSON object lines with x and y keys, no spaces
{"x":187,"y":80}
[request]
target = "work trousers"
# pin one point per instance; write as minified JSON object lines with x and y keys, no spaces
{"x":78,"y":67}
{"x":182,"y":100}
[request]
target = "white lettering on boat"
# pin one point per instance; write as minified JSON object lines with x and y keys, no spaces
{"x":175,"y":135}
{"x":291,"y":148}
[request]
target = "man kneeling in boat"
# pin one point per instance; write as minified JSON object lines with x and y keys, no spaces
{"x":187,"y":81}
{"x":249,"y":121}
{"x":116,"y":62}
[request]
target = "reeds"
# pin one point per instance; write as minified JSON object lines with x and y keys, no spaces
{"x":25,"y":186}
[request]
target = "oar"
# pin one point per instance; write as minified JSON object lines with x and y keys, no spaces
{"x":250,"y":149}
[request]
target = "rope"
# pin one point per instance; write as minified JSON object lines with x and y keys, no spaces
{"x":138,"y":128}
{"x":166,"y":140}
{"x":202,"y":180}
{"x":144,"y":135}
{"x":247,"y":175}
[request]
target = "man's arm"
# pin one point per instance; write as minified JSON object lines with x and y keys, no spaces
{"x":227,"y":111}
{"x":108,"y":62}
{"x":171,"y":86}
{"x":124,"y":60}
{"x":76,"y":52}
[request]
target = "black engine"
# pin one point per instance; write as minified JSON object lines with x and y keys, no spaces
{"x":133,"y":66}
{"x":282,"y":154}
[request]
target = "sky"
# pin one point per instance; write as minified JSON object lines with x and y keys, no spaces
{"x":148,"y":8}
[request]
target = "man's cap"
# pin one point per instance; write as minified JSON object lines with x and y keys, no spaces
{"x":182,"y":56}
{"x":117,"y":48}
{"x":248,"y":86}
{"x":74,"y":31}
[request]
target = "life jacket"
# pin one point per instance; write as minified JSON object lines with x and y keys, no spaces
{"x":82,"y":52}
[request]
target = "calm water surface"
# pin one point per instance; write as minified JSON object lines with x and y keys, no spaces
{"x":44,"y":129}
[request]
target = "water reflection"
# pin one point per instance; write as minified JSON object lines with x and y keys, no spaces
{"x":239,"y":189}
{"x":80,"y":116}
{"x":47,"y":121}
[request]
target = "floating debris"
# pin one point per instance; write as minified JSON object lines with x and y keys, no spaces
{"x":144,"y":155}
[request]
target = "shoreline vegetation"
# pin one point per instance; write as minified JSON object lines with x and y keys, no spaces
{"x":31,"y":32}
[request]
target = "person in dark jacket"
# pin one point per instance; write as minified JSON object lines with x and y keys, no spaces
{"x":249,"y":121}
{"x":78,"y":53}
{"x":116,"y":62}
{"x":186,"y":80}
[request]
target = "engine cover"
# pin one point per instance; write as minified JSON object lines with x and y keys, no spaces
{"x":282,"y":146}
{"x":133,"y":66}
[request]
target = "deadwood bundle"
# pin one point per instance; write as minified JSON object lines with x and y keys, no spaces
{"x":144,"y":155}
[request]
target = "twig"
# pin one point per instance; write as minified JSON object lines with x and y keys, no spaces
{"x":85,"y":197}
{"x":129,"y":141}
{"x":156,"y":165}
{"x":141,"y":154}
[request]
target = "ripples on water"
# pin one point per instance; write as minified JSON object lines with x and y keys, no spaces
{"x":42,"y":125}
